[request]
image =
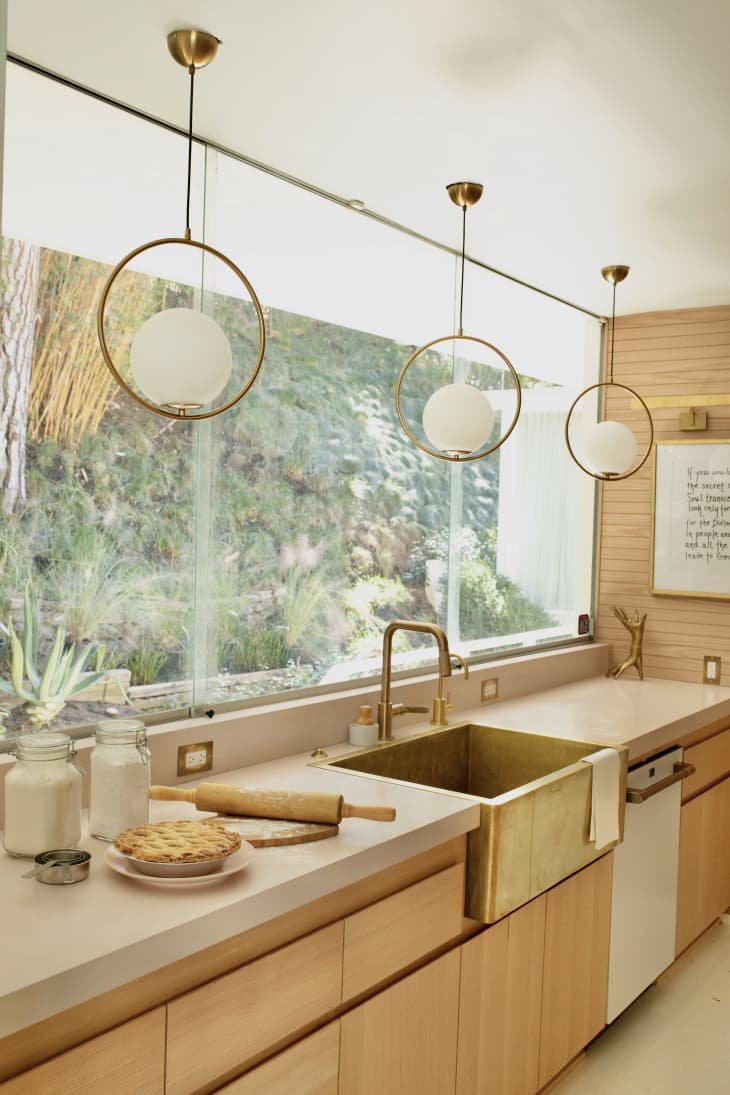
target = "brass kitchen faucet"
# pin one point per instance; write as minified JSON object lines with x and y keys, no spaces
{"x":387,"y":710}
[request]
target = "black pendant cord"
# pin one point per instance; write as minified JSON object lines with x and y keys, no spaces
{"x":463,"y":251}
{"x":190,"y":152}
{"x":613,"y":324}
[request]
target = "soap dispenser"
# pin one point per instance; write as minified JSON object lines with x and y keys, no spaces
{"x":364,"y":730}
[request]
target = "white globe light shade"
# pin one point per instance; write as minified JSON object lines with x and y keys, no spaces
{"x":609,"y":447}
{"x":180,"y":357}
{"x":458,"y":418}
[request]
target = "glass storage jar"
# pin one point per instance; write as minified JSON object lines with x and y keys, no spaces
{"x":42,"y":796}
{"x":120,"y":778}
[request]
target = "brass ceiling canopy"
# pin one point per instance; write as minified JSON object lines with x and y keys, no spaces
{"x":175,"y":351}
{"x":455,"y":402}
{"x":192,"y":48}
{"x":614,"y":275}
{"x":465,"y":193}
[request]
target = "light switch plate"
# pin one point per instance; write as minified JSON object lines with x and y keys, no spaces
{"x":711,"y":669}
{"x":194,"y":758}
{"x":490,"y":689}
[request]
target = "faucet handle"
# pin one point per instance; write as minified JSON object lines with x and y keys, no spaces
{"x":405,"y":709}
{"x":458,"y":658}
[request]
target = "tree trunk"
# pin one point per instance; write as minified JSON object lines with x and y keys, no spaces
{"x":18,"y":304}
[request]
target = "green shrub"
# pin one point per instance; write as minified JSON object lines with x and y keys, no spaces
{"x":145,"y":662}
{"x":252,"y":650}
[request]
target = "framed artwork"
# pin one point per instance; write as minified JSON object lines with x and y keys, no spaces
{"x":690,"y":519}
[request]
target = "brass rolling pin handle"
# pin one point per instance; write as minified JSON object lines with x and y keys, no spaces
{"x":314,"y":806}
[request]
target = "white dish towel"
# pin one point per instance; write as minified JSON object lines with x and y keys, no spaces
{"x":606,"y":766}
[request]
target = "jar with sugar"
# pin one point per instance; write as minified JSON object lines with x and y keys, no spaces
{"x":120,"y":778}
{"x":42,"y":796}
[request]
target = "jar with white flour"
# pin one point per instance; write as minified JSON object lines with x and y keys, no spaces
{"x":42,"y":796}
{"x":120,"y":778}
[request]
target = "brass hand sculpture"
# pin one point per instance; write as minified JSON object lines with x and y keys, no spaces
{"x":634,"y":656}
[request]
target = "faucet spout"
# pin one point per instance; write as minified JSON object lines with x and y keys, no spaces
{"x":386,"y":710}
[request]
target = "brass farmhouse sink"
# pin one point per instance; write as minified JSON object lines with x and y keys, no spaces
{"x":535,"y":798}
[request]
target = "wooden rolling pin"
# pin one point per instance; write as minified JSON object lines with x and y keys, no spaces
{"x":257,"y":802}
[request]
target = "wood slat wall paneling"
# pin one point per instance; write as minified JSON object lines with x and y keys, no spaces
{"x":661,"y":353}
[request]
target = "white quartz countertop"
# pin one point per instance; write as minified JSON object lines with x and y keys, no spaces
{"x":646,"y":716}
{"x":63,"y":945}
{"x":67,"y":944}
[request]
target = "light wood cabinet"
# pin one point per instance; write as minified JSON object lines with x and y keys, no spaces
{"x":703,"y":891}
{"x":499,"y":1014}
{"x":575,"y":968}
{"x":129,"y":1060}
{"x":403,"y":1040}
{"x":310,"y":1067}
{"x":217,"y":1028}
{"x":499,"y":1006}
{"x":534,"y":987}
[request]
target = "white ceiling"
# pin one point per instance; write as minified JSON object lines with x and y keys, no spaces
{"x":600,"y":129}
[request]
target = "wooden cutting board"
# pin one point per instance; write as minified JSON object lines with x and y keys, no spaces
{"x":264,"y":832}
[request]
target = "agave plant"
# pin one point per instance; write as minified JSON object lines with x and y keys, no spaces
{"x":45,"y":693}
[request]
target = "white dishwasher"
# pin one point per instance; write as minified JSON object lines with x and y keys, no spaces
{"x":644,"y":898}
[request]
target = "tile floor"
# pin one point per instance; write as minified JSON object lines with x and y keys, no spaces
{"x":673,"y":1040}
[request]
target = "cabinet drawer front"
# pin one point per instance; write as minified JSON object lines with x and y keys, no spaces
{"x":308,"y":1068}
{"x":222,"y":1025}
{"x":392,"y":933}
{"x":129,"y":1060}
{"x":711,"y":760}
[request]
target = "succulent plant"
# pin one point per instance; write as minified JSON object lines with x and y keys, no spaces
{"x":45,"y":693}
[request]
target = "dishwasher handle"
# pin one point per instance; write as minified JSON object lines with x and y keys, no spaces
{"x":681,"y":771}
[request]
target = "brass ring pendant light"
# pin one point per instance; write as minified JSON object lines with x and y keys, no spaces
{"x":193,"y":49}
{"x":614,"y":275}
{"x":463,"y":194}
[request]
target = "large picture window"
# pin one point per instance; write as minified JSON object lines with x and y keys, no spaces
{"x":262,"y":551}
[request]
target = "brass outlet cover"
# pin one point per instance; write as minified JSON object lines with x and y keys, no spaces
{"x":194,"y":758}
{"x":708,"y":676}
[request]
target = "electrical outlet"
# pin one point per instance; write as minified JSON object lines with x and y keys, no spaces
{"x":194,"y":758}
{"x":490,"y":689}
{"x":711,"y":669}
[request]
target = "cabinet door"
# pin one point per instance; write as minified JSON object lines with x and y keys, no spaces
{"x":129,"y":1060}
{"x":704,"y":863}
{"x":403,"y":1041}
{"x":575,"y":971}
{"x":499,"y":1007}
{"x":307,"y":1068}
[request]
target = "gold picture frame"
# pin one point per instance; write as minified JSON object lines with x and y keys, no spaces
{"x":689,"y":551}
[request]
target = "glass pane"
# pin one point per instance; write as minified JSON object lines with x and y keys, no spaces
{"x":98,"y":524}
{"x":526,"y":511}
{"x":326,"y":521}
{"x":320,"y":505}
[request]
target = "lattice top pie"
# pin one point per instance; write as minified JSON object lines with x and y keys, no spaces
{"x":177,"y":842}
